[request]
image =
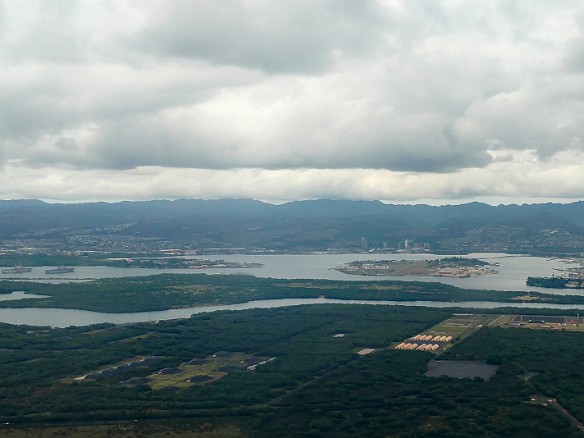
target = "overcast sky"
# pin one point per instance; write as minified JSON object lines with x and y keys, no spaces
{"x":403,"y":101}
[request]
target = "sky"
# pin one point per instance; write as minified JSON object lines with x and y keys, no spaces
{"x":404,"y":101}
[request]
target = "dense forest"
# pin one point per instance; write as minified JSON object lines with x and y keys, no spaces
{"x":555,"y":282}
{"x":165,"y":291}
{"x":316,"y":386}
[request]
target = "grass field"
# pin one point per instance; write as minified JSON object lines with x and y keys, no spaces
{"x":203,"y":371}
{"x":539,"y":322}
{"x":462,"y":325}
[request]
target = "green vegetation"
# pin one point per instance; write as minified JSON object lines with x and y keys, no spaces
{"x":554,"y":357}
{"x":132,"y":429}
{"x":301,"y":339}
{"x":317,"y":386}
{"x":159,"y":292}
{"x":458,"y":261}
{"x":199,"y":371}
{"x":555,"y":282}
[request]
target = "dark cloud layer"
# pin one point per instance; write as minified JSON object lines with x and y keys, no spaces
{"x":438,"y":88}
{"x":285,"y":37}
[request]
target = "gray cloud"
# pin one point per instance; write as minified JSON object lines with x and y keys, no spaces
{"x":434,"y":87}
{"x":286,"y":37}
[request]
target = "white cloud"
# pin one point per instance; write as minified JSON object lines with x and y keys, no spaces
{"x":395,"y":100}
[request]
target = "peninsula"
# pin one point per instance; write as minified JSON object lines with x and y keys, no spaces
{"x":568,"y":278}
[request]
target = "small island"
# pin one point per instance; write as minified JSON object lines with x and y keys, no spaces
{"x":454,"y":267}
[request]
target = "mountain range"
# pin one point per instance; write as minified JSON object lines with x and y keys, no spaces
{"x":301,"y":225}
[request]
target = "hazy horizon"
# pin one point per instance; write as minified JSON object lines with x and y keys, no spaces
{"x":433,"y":203}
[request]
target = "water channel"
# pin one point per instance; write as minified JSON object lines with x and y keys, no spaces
{"x":72,"y":317}
{"x":512,"y":273}
{"x":512,"y":270}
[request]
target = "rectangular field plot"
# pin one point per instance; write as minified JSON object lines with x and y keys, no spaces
{"x":541,"y":322}
{"x":200,"y":371}
{"x":446,"y":333}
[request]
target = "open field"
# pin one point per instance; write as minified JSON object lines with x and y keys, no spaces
{"x":446,"y":333}
{"x":202,"y":371}
{"x":460,"y":326}
{"x":540,"y":322}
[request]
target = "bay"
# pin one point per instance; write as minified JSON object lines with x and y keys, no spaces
{"x":512,"y":273}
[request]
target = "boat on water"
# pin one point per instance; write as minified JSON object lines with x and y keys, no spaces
{"x":16,"y":270}
{"x":59,"y":270}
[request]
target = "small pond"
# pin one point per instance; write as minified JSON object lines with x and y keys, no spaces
{"x":461,"y":369}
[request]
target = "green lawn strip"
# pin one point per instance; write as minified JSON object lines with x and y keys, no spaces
{"x":210,"y":369}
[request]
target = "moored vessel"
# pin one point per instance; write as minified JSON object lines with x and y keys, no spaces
{"x":16,"y":270}
{"x":59,"y":270}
